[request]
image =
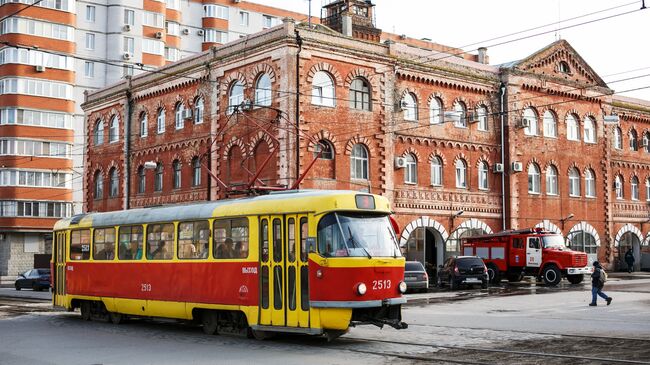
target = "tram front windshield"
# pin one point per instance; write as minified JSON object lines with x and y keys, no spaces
{"x":355,"y":235}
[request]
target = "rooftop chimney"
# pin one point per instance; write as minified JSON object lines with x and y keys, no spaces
{"x":482,"y":56}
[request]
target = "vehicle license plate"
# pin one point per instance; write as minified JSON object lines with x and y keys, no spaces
{"x":472,"y":280}
{"x":410,"y":278}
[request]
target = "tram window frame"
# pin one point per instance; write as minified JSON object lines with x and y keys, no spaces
{"x":128,"y":253}
{"x":162,"y":231}
{"x":196,"y":240}
{"x":291,"y":240}
{"x":264,"y":245}
{"x":277,"y":240}
{"x":79,"y":254}
{"x":304,"y":233}
{"x":102,"y":239}
{"x":233,"y":231}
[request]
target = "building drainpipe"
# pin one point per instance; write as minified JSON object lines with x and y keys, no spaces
{"x":299,"y":42}
{"x":502,"y":97}
{"x":127,"y":148}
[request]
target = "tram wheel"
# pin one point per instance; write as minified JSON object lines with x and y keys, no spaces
{"x":116,"y":318}
{"x":259,"y":335}
{"x":85,"y":310}
{"x":209,"y":322}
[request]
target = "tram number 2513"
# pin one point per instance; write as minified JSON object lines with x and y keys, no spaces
{"x":380,"y":284}
{"x":145,"y":287}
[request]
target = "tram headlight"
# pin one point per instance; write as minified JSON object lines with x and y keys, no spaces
{"x":361,"y":288}
{"x":402,"y":287}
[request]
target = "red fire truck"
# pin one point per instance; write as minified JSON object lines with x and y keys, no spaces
{"x":531,"y":252}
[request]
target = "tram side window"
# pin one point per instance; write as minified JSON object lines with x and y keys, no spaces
{"x":160,"y":241}
{"x":304,"y":250}
{"x":231,"y":238}
{"x":104,"y":244}
{"x":80,"y":245}
{"x":193,"y":238}
{"x":130,"y":243}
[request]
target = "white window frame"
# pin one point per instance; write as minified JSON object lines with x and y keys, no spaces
{"x":244,"y":18}
{"x":483,"y":176}
{"x":263,"y":90}
{"x":461,"y":174}
{"x":359,"y":162}
{"x":89,"y":69}
{"x":179,"y":121}
{"x":411,"y":170}
{"x":323,"y":92}
{"x":199,"y":109}
{"x":574,"y":182}
{"x":531,"y":115}
{"x":589,"y":130}
{"x":114,"y":129}
{"x":235,"y":96}
{"x":90,"y":13}
{"x":634,"y":188}
{"x":461,"y":109}
{"x":435,"y":111}
{"x":160,"y":121}
{"x":590,"y":184}
{"x":534,"y":179}
{"x":90,"y":41}
{"x":436,"y":171}
{"x":618,"y":138}
{"x":552,"y":181}
{"x":572,"y":128}
{"x":129,"y":17}
{"x":618,"y":187}
{"x":144,"y":127}
{"x":482,"y":114}
{"x":550,"y":124}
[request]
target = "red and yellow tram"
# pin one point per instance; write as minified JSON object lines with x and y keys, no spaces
{"x":313,"y":262}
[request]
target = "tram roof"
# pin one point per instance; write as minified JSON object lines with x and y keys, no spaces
{"x":235,"y":207}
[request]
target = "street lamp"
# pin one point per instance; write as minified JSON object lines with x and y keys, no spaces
{"x":568,"y":217}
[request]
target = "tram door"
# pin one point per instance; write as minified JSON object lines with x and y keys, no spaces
{"x":58,"y":275}
{"x":283,"y":271}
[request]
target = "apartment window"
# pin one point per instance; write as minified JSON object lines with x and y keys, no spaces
{"x":461,"y":174}
{"x":409,"y":107}
{"x":235,"y":96}
{"x":143,"y":125}
{"x":129,"y":17}
{"x":152,"y":19}
{"x":129,"y":45}
{"x":172,"y":54}
{"x":35,"y":118}
{"x":325,"y":149}
{"x":574,"y":182}
{"x":483,"y":175}
{"x":196,"y":171}
{"x":634,"y":143}
{"x":531,"y":116}
{"x":590,"y":184}
{"x":176,"y":165}
{"x":435,"y":111}
{"x":36,"y":88}
{"x":589,"y":130}
{"x":436,"y":171}
{"x":461,"y":112}
{"x":99,"y":185}
{"x":215,"y":11}
{"x":142,"y":179}
{"x":634,"y":191}
{"x":550,"y":124}
{"x":359,"y":162}
{"x":173,"y":28}
{"x":618,"y":187}
{"x":243,"y":18}
{"x":269,"y":21}
{"x":89,"y":69}
{"x":572,"y":128}
{"x":43,"y":179}
{"x":158,"y":181}
{"x":411,"y":171}
{"x":37,"y":28}
{"x":263,"y":90}
{"x":215,"y":36}
{"x":551,"y":180}
{"x":35,"y":58}
{"x":113,"y":186}
{"x":153,"y":46}
{"x":322,"y":92}
{"x":482,"y":114}
{"x":98,"y":133}
{"x":198,"y":111}
{"x":114,"y":130}
{"x":618,"y":138}
{"x":534,"y":180}
{"x":90,"y":13}
{"x":178,"y":116}
{"x":160,"y":125}
{"x":645,"y":142}
{"x":90,"y":41}
{"x":173,"y":4}
{"x":360,"y":94}
{"x":647,"y":189}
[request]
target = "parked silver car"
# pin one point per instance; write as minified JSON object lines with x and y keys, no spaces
{"x":415,"y":276}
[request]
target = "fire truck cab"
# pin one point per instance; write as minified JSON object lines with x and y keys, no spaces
{"x":529,"y":252}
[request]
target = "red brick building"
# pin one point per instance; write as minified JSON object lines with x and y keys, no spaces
{"x":440,"y":135}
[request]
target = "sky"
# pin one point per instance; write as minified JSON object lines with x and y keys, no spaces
{"x":618,"y":48}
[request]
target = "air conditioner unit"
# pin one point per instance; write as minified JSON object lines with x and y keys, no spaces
{"x":40,"y":68}
{"x":127,"y":56}
{"x":400,"y":162}
{"x":127,"y":27}
{"x":517,"y":166}
{"x":523,"y":123}
{"x":200,"y":32}
{"x":186,"y":31}
{"x":497,"y":168}
{"x":187,"y":114}
{"x":159,"y":35}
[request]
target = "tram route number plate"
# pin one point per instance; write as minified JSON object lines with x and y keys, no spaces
{"x":381,"y":284}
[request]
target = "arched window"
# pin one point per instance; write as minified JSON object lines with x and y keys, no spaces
{"x":590,"y":184}
{"x":114,"y":130}
{"x":158,"y":180}
{"x":235,"y":96}
{"x":410,"y":107}
{"x":160,"y":121}
{"x":359,"y":162}
{"x":583,"y":241}
{"x":143,"y":125}
{"x":98,"y":133}
{"x":550,"y":124}
{"x":589,"y":130}
{"x":176,"y":166}
{"x":263,"y":90}
{"x":483,"y":175}
{"x":322,"y":89}
{"x":360,"y":94}
{"x":179,"y":112}
{"x":534,"y":179}
{"x":618,"y":186}
{"x":618,"y":138}
{"x":531,"y":116}
{"x":99,"y":184}
{"x":199,"y":107}
{"x":563,"y":67}
{"x":482,"y":115}
{"x":647,"y":189}
{"x":461,"y":174}
{"x":436,"y":171}
{"x":461,"y":113}
{"x":634,"y":191}
{"x":114,"y":183}
{"x":645,"y":143}
{"x":142,"y":179}
{"x":574,"y":182}
{"x":435,"y":111}
{"x":551,"y":180}
{"x":325,"y":148}
{"x":196,"y":172}
{"x":411,"y":171}
{"x":572,"y":128}
{"x":634,"y":143}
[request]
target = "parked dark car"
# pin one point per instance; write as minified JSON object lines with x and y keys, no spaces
{"x":468,"y":270}
{"x":36,"y":279}
{"x":415,"y":276}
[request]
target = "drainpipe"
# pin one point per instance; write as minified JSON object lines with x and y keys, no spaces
{"x":127,"y":146}
{"x":502,"y":97}
{"x":299,"y":42}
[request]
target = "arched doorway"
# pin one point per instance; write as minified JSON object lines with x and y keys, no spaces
{"x":469,"y":228}
{"x":628,"y":237}
{"x":583,"y":237}
{"x":423,"y":240}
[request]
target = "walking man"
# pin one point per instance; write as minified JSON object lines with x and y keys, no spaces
{"x":629,"y":260}
{"x":598,"y":278}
